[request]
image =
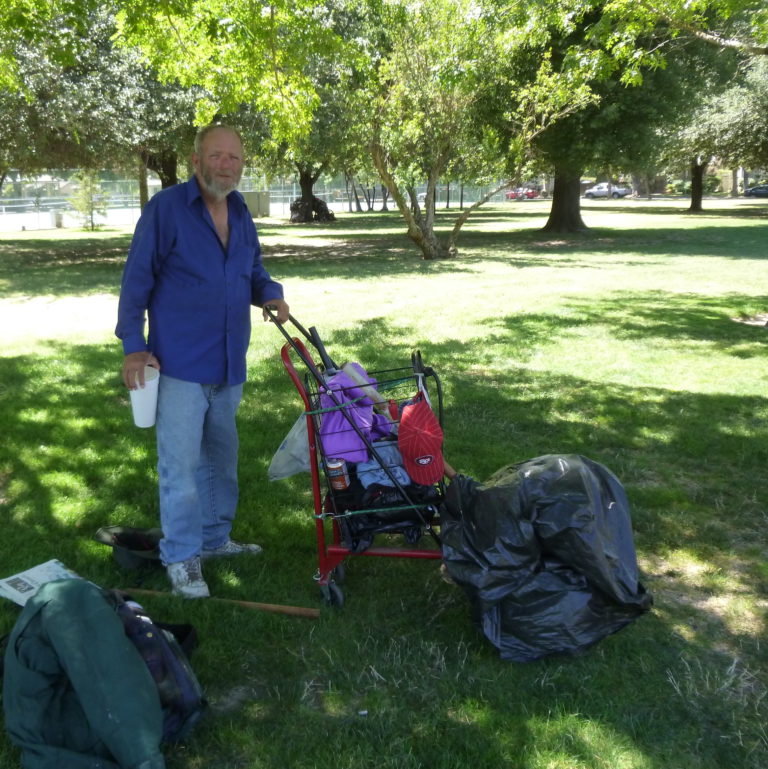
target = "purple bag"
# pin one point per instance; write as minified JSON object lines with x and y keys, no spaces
{"x":338,"y":438}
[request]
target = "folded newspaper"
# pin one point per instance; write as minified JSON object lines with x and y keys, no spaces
{"x":22,"y":586}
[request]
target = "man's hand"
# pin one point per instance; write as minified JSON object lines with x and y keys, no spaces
{"x":279,"y":307}
{"x":133,"y":368}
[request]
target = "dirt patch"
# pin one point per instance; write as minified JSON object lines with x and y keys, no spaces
{"x":236,"y":698}
{"x":753,"y":320}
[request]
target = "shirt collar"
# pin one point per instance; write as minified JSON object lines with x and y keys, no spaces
{"x":193,"y":190}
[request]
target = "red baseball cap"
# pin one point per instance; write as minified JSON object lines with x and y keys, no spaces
{"x":420,"y":440}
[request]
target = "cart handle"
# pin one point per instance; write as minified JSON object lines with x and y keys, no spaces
{"x":310,"y":335}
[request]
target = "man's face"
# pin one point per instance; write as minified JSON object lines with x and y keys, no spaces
{"x":219,"y":165}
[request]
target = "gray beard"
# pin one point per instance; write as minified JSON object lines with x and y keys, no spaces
{"x":216,"y":190}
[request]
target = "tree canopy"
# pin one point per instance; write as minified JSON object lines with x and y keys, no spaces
{"x":430,"y":90}
{"x":237,"y":52}
{"x":737,"y":24}
{"x":738,"y":118}
{"x":101,"y":107}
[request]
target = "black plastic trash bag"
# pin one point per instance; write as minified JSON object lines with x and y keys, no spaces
{"x":544,"y":552}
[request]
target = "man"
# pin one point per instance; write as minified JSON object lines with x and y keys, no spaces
{"x":195,"y":267}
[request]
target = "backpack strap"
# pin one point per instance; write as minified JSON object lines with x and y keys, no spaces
{"x":165,"y":654}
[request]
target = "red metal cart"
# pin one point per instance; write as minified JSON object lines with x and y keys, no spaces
{"x":348,"y":520}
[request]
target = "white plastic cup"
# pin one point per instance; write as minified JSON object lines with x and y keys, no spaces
{"x":144,"y":399}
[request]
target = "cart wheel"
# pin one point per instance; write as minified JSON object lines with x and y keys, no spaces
{"x":332,"y":594}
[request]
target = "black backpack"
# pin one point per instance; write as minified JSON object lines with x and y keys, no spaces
{"x":164,"y":649}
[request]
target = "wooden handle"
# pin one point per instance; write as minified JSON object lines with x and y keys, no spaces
{"x":378,"y":399}
{"x":294,"y":611}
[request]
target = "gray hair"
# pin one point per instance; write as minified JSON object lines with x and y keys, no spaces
{"x":205,"y":130}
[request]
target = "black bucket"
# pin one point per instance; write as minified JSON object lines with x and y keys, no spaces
{"x":132,"y":548}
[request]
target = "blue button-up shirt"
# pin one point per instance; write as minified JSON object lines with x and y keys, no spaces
{"x":197,"y":294}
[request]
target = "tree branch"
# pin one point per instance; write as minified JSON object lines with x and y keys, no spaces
{"x":713,"y":38}
{"x":708,"y":36}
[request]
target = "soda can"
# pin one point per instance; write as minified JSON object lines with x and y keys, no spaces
{"x":338,"y":475}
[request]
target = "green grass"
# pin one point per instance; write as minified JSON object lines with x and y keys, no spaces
{"x":621,"y":345}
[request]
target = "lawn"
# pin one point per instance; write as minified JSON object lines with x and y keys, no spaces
{"x":640,"y":345}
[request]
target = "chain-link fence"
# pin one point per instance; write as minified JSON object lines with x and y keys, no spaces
{"x":48,"y":205}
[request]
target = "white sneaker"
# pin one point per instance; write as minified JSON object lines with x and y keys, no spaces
{"x":187,"y":578}
{"x":230,"y":547}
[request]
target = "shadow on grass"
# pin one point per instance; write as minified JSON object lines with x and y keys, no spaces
{"x":658,"y":441}
{"x":62,"y":267}
{"x":520,"y":245}
{"x":642,"y":315}
{"x":372,"y":244}
{"x":495,"y":422}
{"x":713,"y":207}
{"x":71,"y":461}
{"x":72,"y":452}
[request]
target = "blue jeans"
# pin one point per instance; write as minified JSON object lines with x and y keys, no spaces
{"x":197,"y":465}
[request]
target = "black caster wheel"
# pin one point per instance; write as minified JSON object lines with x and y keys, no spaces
{"x":332,"y":594}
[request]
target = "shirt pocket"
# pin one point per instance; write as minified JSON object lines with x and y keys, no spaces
{"x":183,"y":273}
{"x":181,"y":290}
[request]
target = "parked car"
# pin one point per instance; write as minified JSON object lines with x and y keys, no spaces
{"x":607,"y":190}
{"x":758,"y":191}
{"x":521,"y":193}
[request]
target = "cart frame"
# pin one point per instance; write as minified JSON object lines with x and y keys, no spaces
{"x":332,"y":552}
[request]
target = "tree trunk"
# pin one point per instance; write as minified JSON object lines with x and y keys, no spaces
{"x":308,"y":207}
{"x":428,"y":242}
{"x":462,"y":218}
{"x":349,"y":196}
{"x":358,"y":207}
{"x":735,"y":183}
{"x":698,"y":169}
{"x":143,"y":187}
{"x":367,"y":197}
{"x":384,"y":197}
{"x":420,"y":228}
{"x":165,"y":165}
{"x":301,"y":208}
{"x":306,"y":184}
{"x":641,"y":182}
{"x":565,"y":214}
